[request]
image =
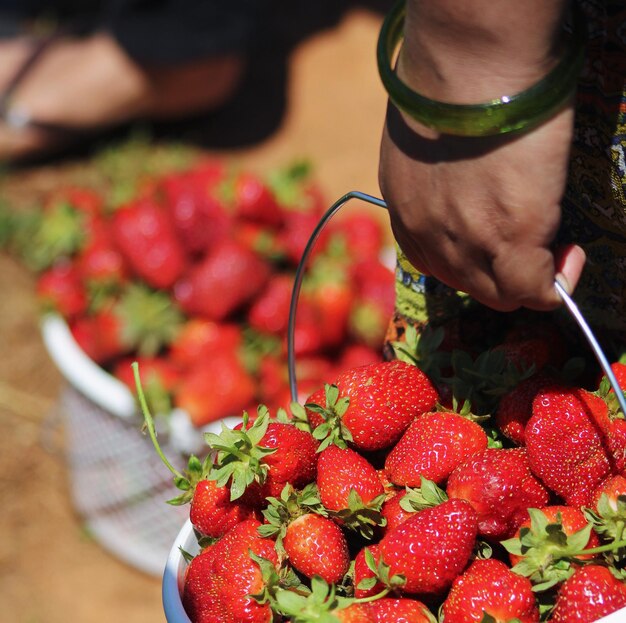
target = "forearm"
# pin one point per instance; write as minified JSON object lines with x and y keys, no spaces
{"x":469,"y":51}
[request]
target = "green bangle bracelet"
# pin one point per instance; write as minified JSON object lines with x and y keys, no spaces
{"x":498,"y":116}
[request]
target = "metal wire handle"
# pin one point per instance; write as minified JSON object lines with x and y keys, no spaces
{"x":355,"y":194}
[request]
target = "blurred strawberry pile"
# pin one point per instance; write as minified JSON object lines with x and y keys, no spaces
{"x":191,"y":273}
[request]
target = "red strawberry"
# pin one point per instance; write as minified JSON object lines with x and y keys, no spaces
{"x":490,"y":588}
{"x":316,"y":545}
{"x":355,"y":355}
{"x":342,"y":470}
{"x":226,"y":279}
{"x":592,"y":592}
{"x":259,"y":459}
{"x":500,"y":486}
{"x":374,"y":302}
{"x":101,"y":263}
{"x":608,"y":511}
{"x":361,"y":232}
{"x":199,"y":218}
{"x":295,"y":458}
{"x":401,"y":610}
{"x":566,"y":442}
{"x":384,"y":398}
{"x":515,"y":407}
{"x":61,"y":289}
{"x":253,"y":200}
{"x":213,"y":513}
{"x":393,"y":512}
{"x":269,"y":312}
{"x":199,"y":339}
{"x":298,"y":227}
{"x":613,"y":487}
{"x":100,"y":336}
{"x":363,"y":575}
{"x":432,"y":447}
{"x":215,"y":388}
{"x":539,"y":542}
{"x":432,"y":548}
{"x":143,"y":232}
{"x":307,"y":339}
{"x":218,"y":582}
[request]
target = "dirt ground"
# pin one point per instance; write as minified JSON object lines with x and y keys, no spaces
{"x":51,"y":569}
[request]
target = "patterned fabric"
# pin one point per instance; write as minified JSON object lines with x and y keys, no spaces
{"x":594,"y":206}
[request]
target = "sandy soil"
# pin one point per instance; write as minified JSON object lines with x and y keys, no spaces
{"x":51,"y":569}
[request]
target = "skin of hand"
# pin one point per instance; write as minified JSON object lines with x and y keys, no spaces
{"x":480,"y":213}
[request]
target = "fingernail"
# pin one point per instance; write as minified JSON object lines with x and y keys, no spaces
{"x":563,"y":282}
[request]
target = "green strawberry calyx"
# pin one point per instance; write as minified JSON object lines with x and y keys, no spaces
{"x":282,"y":511}
{"x":332,"y":430}
{"x":238,"y":457}
{"x":427,"y":495}
{"x":362,"y":517}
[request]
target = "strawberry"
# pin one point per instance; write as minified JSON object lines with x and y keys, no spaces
{"x":261,"y":458}
{"x":307,"y":338}
{"x":592,"y":592}
{"x":355,"y":355}
{"x":400,"y":610}
{"x":374,"y":302}
{"x":500,"y":487}
{"x":393,"y":511}
{"x":316,"y":545}
{"x":321,"y":603}
{"x":228,"y":277}
{"x":269,"y":312}
{"x":383,"y":398}
{"x":350,"y":487}
{"x":219,"y":582}
{"x":215,"y":388}
{"x":199,"y":339}
{"x":489,"y":588}
{"x":143,"y":232}
{"x":366,"y":583}
{"x":198,"y":216}
{"x":212,"y":511}
{"x":433,"y":446}
{"x":608,"y":514}
{"x":60,"y":288}
{"x":361,"y":233}
{"x":431,"y":548}
{"x":253,"y":200}
{"x":313,"y":543}
{"x":100,"y":336}
{"x":566,"y":442}
{"x":515,"y":407}
{"x":549,"y":544}
{"x":298,"y":227}
{"x":101,"y":264}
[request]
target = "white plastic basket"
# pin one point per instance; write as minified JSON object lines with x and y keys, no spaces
{"x":118,"y":483}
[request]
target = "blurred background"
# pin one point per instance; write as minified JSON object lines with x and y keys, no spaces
{"x":310,"y":92}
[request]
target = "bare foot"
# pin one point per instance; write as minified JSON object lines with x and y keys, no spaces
{"x":90,"y":84}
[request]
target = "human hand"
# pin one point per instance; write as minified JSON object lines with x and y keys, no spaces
{"x":480,"y":214}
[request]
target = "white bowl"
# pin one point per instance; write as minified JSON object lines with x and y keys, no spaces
{"x":110,"y":394}
{"x":176,"y":565}
{"x":174,"y":575}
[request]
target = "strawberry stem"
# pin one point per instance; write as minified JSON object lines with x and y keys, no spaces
{"x":149,"y":421}
{"x":598,"y":550}
{"x":364,"y":600}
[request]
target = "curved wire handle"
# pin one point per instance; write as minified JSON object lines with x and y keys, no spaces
{"x":355,"y":194}
{"x":291,"y":357}
{"x":593,"y":342}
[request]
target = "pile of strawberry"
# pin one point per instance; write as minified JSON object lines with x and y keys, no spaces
{"x":491,"y":489}
{"x":192,"y":274}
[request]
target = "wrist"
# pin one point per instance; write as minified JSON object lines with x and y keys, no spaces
{"x":475,"y":51}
